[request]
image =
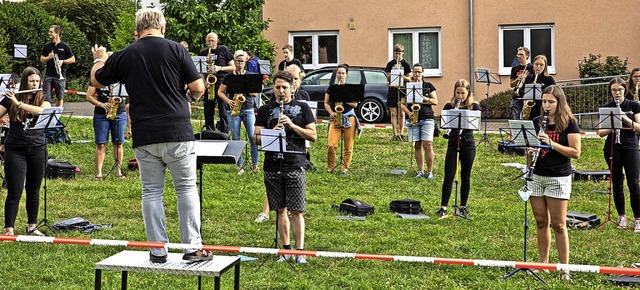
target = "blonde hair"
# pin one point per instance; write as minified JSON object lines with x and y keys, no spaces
{"x":469,"y":100}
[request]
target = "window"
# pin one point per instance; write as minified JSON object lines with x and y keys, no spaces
{"x":315,"y":49}
{"x":420,"y":45}
{"x":318,"y":78}
{"x":375,"y":77}
{"x":538,"y":38}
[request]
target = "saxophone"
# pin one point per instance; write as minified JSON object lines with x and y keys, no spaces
{"x":238,"y":100}
{"x":415,"y":107}
{"x":211,"y":78}
{"x":635,"y":95}
{"x":114,"y":103}
{"x":528,"y":104}
{"x":339,"y":108}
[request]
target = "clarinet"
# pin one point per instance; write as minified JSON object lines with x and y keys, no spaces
{"x":617,"y":131}
{"x":280,"y":155}
{"x":534,"y":159}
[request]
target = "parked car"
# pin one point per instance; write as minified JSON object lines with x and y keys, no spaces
{"x":374,"y":107}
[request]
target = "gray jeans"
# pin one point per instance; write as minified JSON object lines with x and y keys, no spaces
{"x":153,"y":161}
{"x":514,"y":109}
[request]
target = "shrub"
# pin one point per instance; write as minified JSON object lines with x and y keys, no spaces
{"x":592,"y":66}
{"x":498,"y":105}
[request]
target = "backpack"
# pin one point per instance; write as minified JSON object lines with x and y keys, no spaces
{"x":57,"y":135}
{"x":208,"y":134}
{"x":356,"y":207}
{"x":410,"y":206}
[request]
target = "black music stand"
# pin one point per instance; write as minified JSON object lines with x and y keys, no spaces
{"x":458,"y":120}
{"x":246,"y":84}
{"x":48,"y":118}
{"x":483,"y":75}
{"x":345,"y":93}
{"x":525,"y":137}
{"x":610,"y":118}
{"x":276,"y":142}
{"x":533,"y":92}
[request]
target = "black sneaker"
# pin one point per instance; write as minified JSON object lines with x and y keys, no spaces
{"x":463,"y":212}
{"x":198,"y":256}
{"x":157,"y":259}
{"x":441,"y":212}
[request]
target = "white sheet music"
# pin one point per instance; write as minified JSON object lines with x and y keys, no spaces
{"x":532,"y":92}
{"x":209,"y":149}
{"x":271,"y":140}
{"x":526,"y":137}
{"x":44,"y":119}
{"x":467,"y":119}
{"x":414,"y":93}
{"x":396,"y":78}
{"x":604,"y":115}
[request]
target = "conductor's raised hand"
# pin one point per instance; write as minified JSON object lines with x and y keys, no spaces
{"x":99,"y":52}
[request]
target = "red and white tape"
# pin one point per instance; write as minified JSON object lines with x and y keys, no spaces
{"x":73,"y":92}
{"x":271,"y":251}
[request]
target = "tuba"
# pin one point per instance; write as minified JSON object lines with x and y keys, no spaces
{"x":211,"y":78}
{"x":339,"y":108}
{"x":57,"y":65}
{"x":528,"y":104}
{"x":114,"y":103}
{"x":238,"y":100}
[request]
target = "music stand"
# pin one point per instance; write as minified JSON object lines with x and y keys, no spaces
{"x":5,"y":83}
{"x":246,"y":84}
{"x":275,"y":141}
{"x":460,"y":120}
{"x":483,"y":75}
{"x":524,"y":135}
{"x":48,"y":118}
{"x":345,"y":93}
{"x":265,"y":67}
{"x":610,"y":118}
{"x":201,"y":63}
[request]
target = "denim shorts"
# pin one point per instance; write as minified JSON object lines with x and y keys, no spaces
{"x":102,"y":126}
{"x":423,"y":131}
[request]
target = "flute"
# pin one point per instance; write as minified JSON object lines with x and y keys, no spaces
{"x":25,"y":91}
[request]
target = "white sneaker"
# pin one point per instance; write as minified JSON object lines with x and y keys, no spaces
{"x":622,"y":222}
{"x":430,"y":176}
{"x":301,"y":259}
{"x":261,"y":218}
{"x":636,"y":226}
{"x":34,"y":232}
{"x":284,"y":258}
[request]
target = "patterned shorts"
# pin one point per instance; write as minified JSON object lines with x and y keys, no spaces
{"x":286,"y":189}
{"x":548,"y":186}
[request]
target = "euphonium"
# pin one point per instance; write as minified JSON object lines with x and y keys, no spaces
{"x":58,"y":66}
{"x":339,"y":108}
{"x":238,"y":100}
{"x":415,"y":108}
{"x":528,"y":104}
{"x":114,"y":102}
{"x":211,"y":78}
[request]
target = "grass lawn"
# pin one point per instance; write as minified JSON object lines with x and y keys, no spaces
{"x":231,"y":202}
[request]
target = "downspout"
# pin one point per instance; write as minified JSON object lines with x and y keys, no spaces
{"x":471,"y":60}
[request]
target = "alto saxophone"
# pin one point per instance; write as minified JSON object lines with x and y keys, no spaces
{"x":211,"y":78}
{"x":339,"y":108}
{"x":114,"y":102}
{"x":528,"y":104}
{"x":415,"y":108}
{"x":238,"y":100}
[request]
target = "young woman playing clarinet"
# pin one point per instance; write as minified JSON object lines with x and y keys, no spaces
{"x":551,"y":183}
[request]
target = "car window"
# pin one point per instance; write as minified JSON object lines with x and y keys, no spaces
{"x":318,"y":78}
{"x":353,"y":77}
{"x":375,"y":77}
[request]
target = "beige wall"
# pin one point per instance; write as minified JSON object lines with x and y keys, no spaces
{"x":581,"y":27}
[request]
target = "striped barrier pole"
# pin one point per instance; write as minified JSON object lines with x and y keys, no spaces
{"x":74,"y":92}
{"x":343,"y":255}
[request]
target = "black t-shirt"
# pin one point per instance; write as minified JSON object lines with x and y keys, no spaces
{"x":466,"y":139}
{"x":248,"y":103}
{"x":516,"y":71}
{"x":63,"y":51}
{"x":155,"y":71}
{"x":393,"y":91}
{"x":301,"y":115}
{"x":550,"y":162}
{"x":285,"y":63}
{"x":221,"y":56}
{"x":426,"y":111}
{"x":346,"y":106}
{"x":103,"y":97}
{"x":628,"y":138}
{"x":18,"y":136}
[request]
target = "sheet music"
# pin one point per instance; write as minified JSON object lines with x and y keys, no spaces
{"x":201,"y":63}
{"x":208,"y":148}
{"x":526,"y":137}
{"x":414,"y":93}
{"x":482,"y":75}
{"x":469,"y":119}
{"x":119,"y":90}
{"x":271,"y":140}
{"x":532,"y":92}
{"x":604,"y":115}
{"x":395,"y":80}
{"x":45,"y":120}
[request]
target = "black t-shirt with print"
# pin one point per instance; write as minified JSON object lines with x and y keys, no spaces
{"x":550,"y":162}
{"x":19,"y":135}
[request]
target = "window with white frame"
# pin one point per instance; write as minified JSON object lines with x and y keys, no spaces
{"x":538,"y":38}
{"x":423,"y":45}
{"x":315,"y":49}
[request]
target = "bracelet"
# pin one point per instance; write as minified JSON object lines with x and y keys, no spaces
{"x":97,"y":60}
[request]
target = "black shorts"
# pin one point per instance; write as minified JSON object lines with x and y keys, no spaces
{"x":286,"y":189}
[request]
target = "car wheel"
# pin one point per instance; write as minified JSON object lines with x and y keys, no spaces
{"x":371,"y":111}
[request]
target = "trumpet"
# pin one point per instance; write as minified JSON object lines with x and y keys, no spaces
{"x":536,"y":154}
{"x":520,"y":82}
{"x":447,"y":133}
{"x":238,"y":100}
{"x":211,"y":78}
{"x":339,"y":108}
{"x":528,"y":104}
{"x":58,"y":66}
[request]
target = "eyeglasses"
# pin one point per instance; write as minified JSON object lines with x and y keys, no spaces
{"x":636,"y":77}
{"x":617,"y":90}
{"x":520,"y":54}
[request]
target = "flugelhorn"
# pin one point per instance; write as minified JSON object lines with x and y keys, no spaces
{"x":238,"y":100}
{"x":211,"y":78}
{"x":339,"y":108}
{"x":58,"y":66}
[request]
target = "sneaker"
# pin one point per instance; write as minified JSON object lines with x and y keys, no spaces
{"x":261,"y":218}
{"x":284,"y":258}
{"x":420,"y":175}
{"x":463,"y":212}
{"x":395,"y":138}
{"x":240,"y":171}
{"x":198,"y":256}
{"x":441,"y":212}
{"x":301,"y":259}
{"x":34,"y":232}
{"x":622,"y":222}
{"x":565,"y":276}
{"x":636,"y":226}
{"x":430,"y":176}
{"x":157,"y":259}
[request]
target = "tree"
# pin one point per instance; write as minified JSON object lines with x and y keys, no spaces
{"x":238,"y":23}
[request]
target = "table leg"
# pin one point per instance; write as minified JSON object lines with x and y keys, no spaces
{"x":216,"y":283}
{"x":98,"y":282}
{"x":123,"y":283}
{"x":199,"y":282}
{"x":236,"y":278}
